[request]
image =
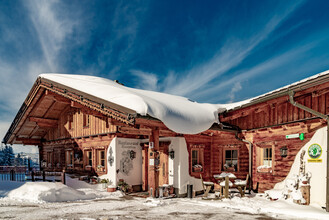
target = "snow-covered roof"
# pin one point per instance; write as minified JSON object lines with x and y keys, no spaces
{"x":177,"y":113}
{"x":317,"y":79}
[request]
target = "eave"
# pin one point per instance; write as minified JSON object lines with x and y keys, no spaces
{"x":69,"y":96}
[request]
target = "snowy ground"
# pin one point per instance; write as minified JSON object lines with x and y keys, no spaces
{"x":50,"y":201}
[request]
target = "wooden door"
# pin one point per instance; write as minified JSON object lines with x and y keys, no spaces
{"x":163,"y":165}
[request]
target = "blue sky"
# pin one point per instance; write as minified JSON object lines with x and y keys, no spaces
{"x":208,"y":51}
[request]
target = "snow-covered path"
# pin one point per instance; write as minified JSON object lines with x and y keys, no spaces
{"x":79,"y":200}
{"x":123,"y":208}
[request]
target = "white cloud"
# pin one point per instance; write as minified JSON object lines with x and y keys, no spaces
{"x":125,"y":24}
{"x":263,"y":68}
{"x":228,"y":57}
{"x":147,"y":81}
{"x":236,"y":88}
{"x":52,"y":28}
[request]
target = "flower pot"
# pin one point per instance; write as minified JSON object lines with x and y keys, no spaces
{"x":111,"y":188}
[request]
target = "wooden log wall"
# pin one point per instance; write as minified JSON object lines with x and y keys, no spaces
{"x":213,"y":148}
{"x":276,"y":138}
{"x":266,"y":124}
{"x":97,"y":125}
{"x":79,"y":146}
{"x":280,"y":110}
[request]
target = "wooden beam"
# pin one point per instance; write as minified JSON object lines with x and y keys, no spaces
{"x":150,"y":123}
{"x":167,"y":133}
{"x":135,"y":131}
{"x":86,"y":109}
{"x":44,"y":122}
{"x":28,"y":141}
{"x":76,"y":105}
{"x":33,"y":131}
{"x":116,"y":122}
{"x":57,"y":98}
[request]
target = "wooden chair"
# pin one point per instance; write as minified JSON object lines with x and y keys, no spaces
{"x":242,"y":185}
{"x":206,"y":187}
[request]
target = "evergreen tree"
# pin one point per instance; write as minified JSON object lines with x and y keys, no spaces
{"x":8,"y":156}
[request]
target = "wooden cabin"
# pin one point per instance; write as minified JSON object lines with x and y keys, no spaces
{"x":86,"y":134}
{"x":266,"y":121}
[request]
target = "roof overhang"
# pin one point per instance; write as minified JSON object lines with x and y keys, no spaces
{"x":42,"y":85}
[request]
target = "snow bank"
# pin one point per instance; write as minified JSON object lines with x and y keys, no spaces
{"x":7,"y":186}
{"x":54,"y":192}
{"x":47,"y":192}
{"x":257,"y":204}
{"x":177,"y":113}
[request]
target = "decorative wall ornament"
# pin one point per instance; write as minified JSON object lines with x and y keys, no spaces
{"x":283,"y":151}
{"x":110,"y":157}
{"x":132,"y":155}
{"x":126,"y":164}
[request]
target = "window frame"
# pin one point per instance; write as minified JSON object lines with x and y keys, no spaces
{"x":88,"y":158}
{"x":267,"y":156}
{"x":260,"y":158}
{"x":99,"y":159}
{"x":199,"y":160}
{"x":231,"y":158}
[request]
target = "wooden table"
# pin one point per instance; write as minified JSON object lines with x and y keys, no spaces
{"x":227,"y":177}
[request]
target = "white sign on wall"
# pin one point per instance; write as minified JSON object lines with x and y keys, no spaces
{"x":151,"y":162}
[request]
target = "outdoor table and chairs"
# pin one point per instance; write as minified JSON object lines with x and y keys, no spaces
{"x":225,"y":182}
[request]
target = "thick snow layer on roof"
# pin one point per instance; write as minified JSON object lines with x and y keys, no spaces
{"x":177,"y":113}
{"x":234,"y":105}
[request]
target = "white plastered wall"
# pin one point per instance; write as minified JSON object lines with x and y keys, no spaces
{"x":179,"y":175}
{"x":318,"y":170}
{"x":130,"y":170}
{"x":178,"y":167}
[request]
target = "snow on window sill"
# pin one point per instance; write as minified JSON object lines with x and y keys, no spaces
{"x":264,"y":169}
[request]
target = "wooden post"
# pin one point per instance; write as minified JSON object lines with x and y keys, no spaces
{"x":63,"y":177}
{"x":12,"y":175}
{"x":145,"y":167}
{"x":153,"y":176}
{"x":226,"y":186}
{"x":32,"y":176}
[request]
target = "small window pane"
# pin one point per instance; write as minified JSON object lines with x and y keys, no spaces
{"x":228,"y":154}
{"x":235,"y":154}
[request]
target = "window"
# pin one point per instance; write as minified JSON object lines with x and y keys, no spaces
{"x":197,"y":160}
{"x":69,"y":158}
{"x":231,"y":160}
{"x":89,"y":158}
{"x":267,"y":157}
{"x":102,"y":158}
{"x":86,"y":120}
